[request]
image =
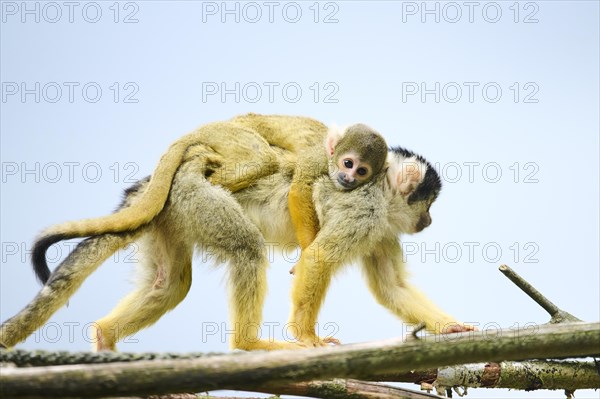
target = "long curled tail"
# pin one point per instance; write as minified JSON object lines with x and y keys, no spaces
{"x":62,"y":284}
{"x":47,"y":239}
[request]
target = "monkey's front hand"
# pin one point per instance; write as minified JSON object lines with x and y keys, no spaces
{"x":457,"y":328}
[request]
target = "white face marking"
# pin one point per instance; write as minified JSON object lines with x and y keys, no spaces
{"x":350,"y":172}
{"x":405,"y":173}
{"x":403,"y":176}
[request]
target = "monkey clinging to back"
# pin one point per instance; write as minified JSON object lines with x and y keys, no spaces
{"x":352,"y":157}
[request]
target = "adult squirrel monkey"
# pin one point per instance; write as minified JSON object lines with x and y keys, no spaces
{"x":352,"y":157}
{"x":359,"y":225}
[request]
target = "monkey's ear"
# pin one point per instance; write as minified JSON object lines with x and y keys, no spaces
{"x":406,"y":176}
{"x":334,"y":135}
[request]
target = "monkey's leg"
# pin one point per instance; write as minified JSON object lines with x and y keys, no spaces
{"x":300,"y":203}
{"x":237,"y":157}
{"x":166,"y":280}
{"x":313,"y":276}
{"x":387,"y":280}
{"x":303,"y":216}
{"x":292,"y":133}
{"x":230,"y":234}
{"x":247,"y":281}
{"x":247,"y":286}
{"x":64,"y":281}
{"x":216,"y":222}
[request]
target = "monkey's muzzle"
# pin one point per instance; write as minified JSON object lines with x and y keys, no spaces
{"x":344,"y":181}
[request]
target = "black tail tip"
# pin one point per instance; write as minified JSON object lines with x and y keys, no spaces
{"x":38,"y":257}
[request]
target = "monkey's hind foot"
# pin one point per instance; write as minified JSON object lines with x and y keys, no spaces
{"x":331,"y":340}
{"x":315,"y":342}
{"x":102,"y":341}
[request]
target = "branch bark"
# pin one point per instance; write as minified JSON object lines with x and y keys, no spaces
{"x":248,"y":370}
{"x":38,"y":358}
{"x":527,"y":375}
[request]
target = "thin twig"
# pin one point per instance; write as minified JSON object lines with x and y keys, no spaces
{"x":557,"y":315}
{"x":420,"y":327}
{"x":344,"y":388}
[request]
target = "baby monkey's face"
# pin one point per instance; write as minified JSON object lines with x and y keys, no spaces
{"x":350,"y":171}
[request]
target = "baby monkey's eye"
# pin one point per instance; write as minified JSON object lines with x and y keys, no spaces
{"x":362,"y":171}
{"x":348,"y":163}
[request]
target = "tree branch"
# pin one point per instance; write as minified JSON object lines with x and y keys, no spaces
{"x":248,"y":370}
{"x":514,"y":375}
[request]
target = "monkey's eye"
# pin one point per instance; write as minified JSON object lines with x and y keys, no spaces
{"x":362,"y":171}
{"x":348,"y":163}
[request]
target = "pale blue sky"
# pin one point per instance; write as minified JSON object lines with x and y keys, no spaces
{"x":519,"y":159}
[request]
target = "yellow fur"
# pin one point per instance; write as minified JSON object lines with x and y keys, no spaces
{"x":303,"y":214}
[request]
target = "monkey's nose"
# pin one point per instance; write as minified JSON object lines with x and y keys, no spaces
{"x":344,"y":181}
{"x":424,"y":221}
{"x":427,"y":221}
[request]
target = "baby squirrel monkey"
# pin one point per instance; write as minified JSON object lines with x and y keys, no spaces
{"x":353,"y":156}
